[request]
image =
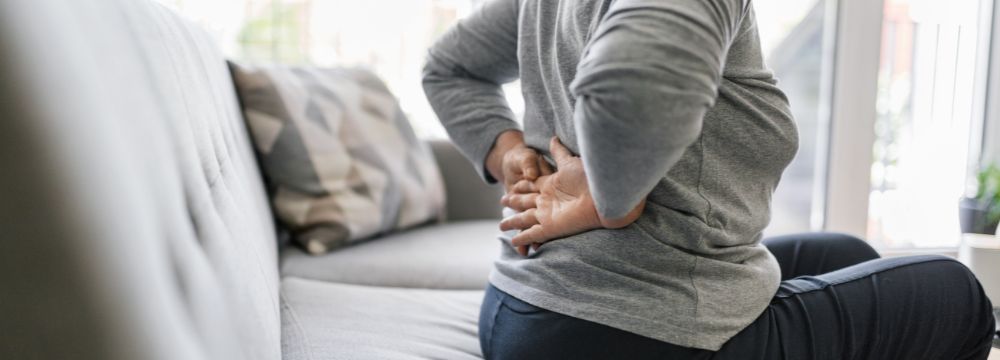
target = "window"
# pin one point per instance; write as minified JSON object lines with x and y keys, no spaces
{"x":929,"y":76}
{"x":390,"y":37}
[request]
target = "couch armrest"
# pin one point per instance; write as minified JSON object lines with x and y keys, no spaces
{"x":468,"y":196}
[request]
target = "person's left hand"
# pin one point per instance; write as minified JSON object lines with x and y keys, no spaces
{"x":563,"y":205}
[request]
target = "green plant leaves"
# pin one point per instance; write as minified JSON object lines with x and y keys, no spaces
{"x":988,"y":191}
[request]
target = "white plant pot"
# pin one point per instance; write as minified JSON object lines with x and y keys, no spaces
{"x":981,"y":253}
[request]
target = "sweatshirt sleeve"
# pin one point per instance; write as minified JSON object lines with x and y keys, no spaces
{"x":463,"y":76}
{"x":648,"y":76}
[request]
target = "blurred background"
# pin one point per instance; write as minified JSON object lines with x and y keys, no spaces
{"x":911,"y":159}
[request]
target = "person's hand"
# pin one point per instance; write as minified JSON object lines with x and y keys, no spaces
{"x":523,"y":165}
{"x":511,"y":161}
{"x":563,"y":205}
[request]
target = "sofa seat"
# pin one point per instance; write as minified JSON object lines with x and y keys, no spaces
{"x":455,"y":255}
{"x":322,"y":320}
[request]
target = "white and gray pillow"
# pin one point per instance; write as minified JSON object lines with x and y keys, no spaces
{"x":339,"y":155}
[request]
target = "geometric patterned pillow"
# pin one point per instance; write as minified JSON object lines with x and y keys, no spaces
{"x":342,"y":163}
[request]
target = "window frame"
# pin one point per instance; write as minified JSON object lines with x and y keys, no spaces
{"x":853,"y":113}
{"x":991,"y":115}
{"x":852,"y":116}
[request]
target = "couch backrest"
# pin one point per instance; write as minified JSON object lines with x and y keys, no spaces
{"x":134,"y":223}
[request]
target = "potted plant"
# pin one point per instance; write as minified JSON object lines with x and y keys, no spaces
{"x":981,"y":213}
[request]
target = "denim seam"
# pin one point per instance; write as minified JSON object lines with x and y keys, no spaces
{"x":493,"y":325}
{"x":859,"y":277}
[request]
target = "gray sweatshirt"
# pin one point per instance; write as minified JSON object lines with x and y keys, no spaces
{"x":664,"y":99}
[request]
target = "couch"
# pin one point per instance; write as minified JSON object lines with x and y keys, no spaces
{"x":136,"y":224}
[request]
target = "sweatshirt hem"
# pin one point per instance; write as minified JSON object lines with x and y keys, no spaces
{"x":599,"y":314}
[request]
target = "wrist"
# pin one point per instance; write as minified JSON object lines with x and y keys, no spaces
{"x":623,"y":221}
{"x":504,"y":142}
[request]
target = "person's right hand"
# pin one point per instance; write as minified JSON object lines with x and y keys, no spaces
{"x":511,"y":162}
{"x":522,"y":165}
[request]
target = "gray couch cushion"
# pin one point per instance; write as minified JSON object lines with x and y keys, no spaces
{"x":339,"y":321}
{"x":456,"y":255}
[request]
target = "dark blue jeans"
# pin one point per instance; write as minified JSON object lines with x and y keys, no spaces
{"x":837,"y":300}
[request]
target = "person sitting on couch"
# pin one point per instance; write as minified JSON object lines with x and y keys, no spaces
{"x":668,"y":136}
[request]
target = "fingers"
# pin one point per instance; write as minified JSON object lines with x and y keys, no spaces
{"x":559,"y":152}
{"x":519,"y":202}
{"x":534,"y":234}
{"x":523,"y":249}
{"x":524,"y":187}
{"x":521,"y":196}
{"x":519,"y":221}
